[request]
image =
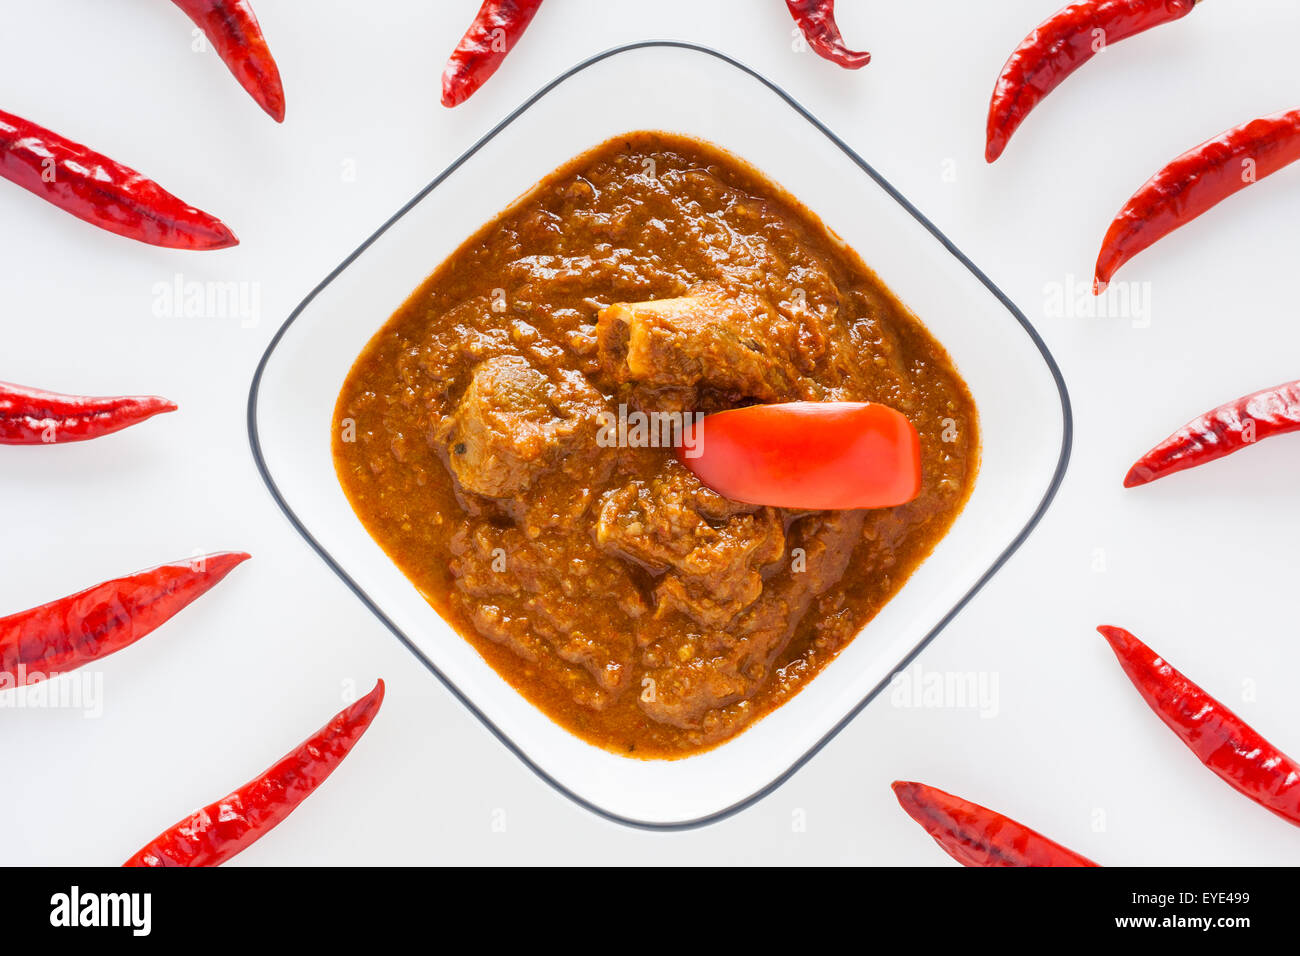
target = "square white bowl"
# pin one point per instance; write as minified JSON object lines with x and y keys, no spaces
{"x":684,"y":89}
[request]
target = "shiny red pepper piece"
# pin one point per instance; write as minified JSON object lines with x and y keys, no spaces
{"x":816,"y":19}
{"x":495,"y":31}
{"x":977,"y":836}
{"x":102,"y":192}
{"x":807,"y":455}
{"x":1221,"y":431}
{"x":73,"y":631}
{"x":1060,"y":45}
{"x":235,"y":34}
{"x":29,"y":416}
{"x":215,"y":833}
{"x":1220,"y":739}
{"x":1196,"y":182}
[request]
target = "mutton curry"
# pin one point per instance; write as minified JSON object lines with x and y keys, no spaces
{"x":634,"y":606}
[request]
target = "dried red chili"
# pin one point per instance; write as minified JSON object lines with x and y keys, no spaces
{"x":1223,"y":741}
{"x":1221,"y":431}
{"x":102,"y":192}
{"x":816,"y":19}
{"x":73,"y":631}
{"x":1060,"y":45}
{"x":29,"y":416}
{"x":495,"y":31}
{"x":235,"y":34}
{"x":1195,"y":182}
{"x":977,"y":836}
{"x":215,"y":833}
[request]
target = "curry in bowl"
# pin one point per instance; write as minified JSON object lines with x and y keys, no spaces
{"x":503,"y":439}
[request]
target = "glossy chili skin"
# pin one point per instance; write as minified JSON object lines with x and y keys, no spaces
{"x":29,"y":416}
{"x":816,"y":18}
{"x":1220,"y":739}
{"x":235,"y":34}
{"x":101,"y":191}
{"x":977,"y":836}
{"x":1060,"y":45}
{"x":215,"y":833}
{"x":1221,"y":431}
{"x":1195,"y":182}
{"x":808,"y":455}
{"x":73,"y":631}
{"x":494,"y":32}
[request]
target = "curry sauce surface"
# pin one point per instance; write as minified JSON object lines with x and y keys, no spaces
{"x":632,"y":605}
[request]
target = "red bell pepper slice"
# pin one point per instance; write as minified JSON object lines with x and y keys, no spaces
{"x":807,"y":455}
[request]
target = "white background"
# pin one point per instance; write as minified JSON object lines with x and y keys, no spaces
{"x":1202,"y":566}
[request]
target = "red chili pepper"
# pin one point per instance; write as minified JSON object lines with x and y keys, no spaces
{"x":73,"y":631}
{"x":495,"y":31}
{"x":235,"y":34}
{"x":102,"y":192}
{"x":1221,"y":431}
{"x":1196,"y":182}
{"x":215,"y":833}
{"x":977,"y":836}
{"x":1060,"y":45}
{"x":807,"y":455}
{"x":1223,"y":741}
{"x":29,"y":416}
{"x":816,"y":18}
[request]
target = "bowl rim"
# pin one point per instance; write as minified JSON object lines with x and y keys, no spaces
{"x":1067,"y":438}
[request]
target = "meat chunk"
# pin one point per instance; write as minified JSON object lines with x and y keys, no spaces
{"x":526,"y":594}
{"x":695,"y":675}
{"x":714,"y":550}
{"x":706,"y":338}
{"x":511,"y":423}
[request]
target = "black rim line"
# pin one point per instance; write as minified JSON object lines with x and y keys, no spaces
{"x":1067,"y":437}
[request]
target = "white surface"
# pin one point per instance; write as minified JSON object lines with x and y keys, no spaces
{"x":1202,"y":565}
{"x":1011,"y":380}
